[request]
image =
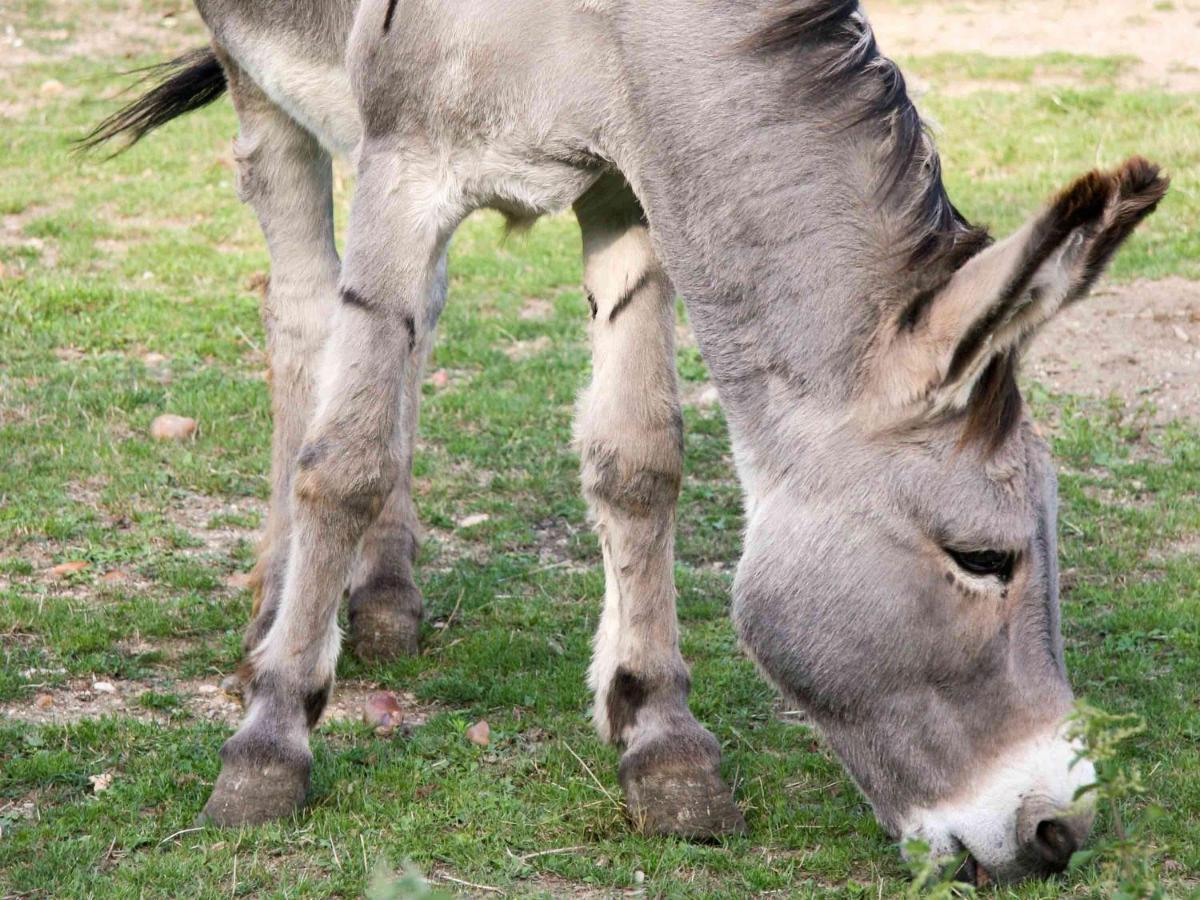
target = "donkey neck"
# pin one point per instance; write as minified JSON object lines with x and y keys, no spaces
{"x":766,"y":209}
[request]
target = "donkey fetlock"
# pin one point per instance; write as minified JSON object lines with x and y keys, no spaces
{"x":266,"y":765}
{"x":670,"y":771}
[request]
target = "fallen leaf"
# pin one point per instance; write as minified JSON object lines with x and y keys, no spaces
{"x":101,"y":782}
{"x":472,"y":521}
{"x":480,"y":733}
{"x":382,"y":710}
{"x":440,"y":379}
{"x":170,"y":427}
{"x":239,"y":581}
{"x":43,"y":701}
{"x":68,"y":568}
{"x":52,"y":88}
{"x":153,"y":359}
{"x":116,"y":576}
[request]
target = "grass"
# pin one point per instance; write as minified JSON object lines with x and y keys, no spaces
{"x":105,"y":262}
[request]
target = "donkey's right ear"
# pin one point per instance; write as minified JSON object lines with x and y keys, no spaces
{"x":930,"y":357}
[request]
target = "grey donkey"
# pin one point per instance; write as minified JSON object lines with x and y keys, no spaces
{"x":763,"y":158}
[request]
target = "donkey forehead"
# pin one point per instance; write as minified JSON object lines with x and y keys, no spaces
{"x":966,"y":496}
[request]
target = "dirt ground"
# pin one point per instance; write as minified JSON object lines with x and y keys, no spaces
{"x":1163,"y":35}
{"x":1139,"y":342}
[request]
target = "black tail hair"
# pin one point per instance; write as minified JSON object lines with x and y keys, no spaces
{"x":184,"y":84}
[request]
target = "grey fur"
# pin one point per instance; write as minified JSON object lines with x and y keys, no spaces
{"x":788,"y":188}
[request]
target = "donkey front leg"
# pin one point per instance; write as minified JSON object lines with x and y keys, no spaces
{"x":386,"y":606}
{"x":346,"y":469}
{"x":630,"y":434}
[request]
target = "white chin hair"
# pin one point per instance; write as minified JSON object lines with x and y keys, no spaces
{"x":983,"y":819}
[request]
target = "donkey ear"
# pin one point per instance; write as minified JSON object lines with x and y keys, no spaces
{"x":1000,"y":297}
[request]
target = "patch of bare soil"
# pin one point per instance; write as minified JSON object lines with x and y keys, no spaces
{"x":1139,"y":342}
{"x":1163,"y":36}
{"x":81,"y":699}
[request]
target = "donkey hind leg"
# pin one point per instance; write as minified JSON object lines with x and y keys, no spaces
{"x":285,"y":175}
{"x":630,"y":434}
{"x":345,"y":472}
{"x":385,"y":603}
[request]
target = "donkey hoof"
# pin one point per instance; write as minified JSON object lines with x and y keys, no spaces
{"x":381,"y":633}
{"x":253,"y":791}
{"x":679,"y":795}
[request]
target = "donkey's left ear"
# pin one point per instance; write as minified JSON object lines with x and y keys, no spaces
{"x":991,"y":306}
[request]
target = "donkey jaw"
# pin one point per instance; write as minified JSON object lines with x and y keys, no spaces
{"x":1020,"y":818}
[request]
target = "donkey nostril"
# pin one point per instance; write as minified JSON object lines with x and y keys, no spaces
{"x":1055,"y":843}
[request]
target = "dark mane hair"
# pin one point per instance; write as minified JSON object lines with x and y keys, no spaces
{"x":839,"y":68}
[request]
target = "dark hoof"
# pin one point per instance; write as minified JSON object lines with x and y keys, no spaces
{"x":679,"y":793}
{"x":381,"y":633}
{"x":252,"y":791}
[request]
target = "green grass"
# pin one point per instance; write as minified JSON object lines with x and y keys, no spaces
{"x":81,"y":481}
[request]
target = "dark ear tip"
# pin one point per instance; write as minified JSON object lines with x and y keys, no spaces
{"x":1141,"y":181}
{"x":1083,"y":200}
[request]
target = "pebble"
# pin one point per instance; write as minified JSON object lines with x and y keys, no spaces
{"x":472,"y":521}
{"x":207,"y":689}
{"x":480,"y":733}
{"x":382,"y":709}
{"x":639,"y":876}
{"x":170,"y":427}
{"x":104,"y":687}
{"x":52,"y":88}
{"x":708,"y":397}
{"x":114,"y":577}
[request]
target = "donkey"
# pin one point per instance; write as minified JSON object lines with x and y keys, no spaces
{"x":899,"y":579}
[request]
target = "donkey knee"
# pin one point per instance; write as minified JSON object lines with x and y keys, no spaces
{"x":638,"y":477}
{"x":353,"y":481}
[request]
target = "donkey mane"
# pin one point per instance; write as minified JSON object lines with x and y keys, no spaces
{"x":840,"y":70}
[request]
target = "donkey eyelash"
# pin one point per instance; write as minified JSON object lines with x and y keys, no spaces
{"x":985,"y":563}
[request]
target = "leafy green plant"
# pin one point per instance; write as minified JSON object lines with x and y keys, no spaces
{"x":1125,"y":860}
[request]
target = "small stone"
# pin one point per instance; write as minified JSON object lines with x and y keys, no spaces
{"x":207,"y":689}
{"x":480,"y":733}
{"x":472,"y":521}
{"x":101,"y":782}
{"x":62,"y":570}
{"x":1181,"y":334}
{"x":154,"y":359}
{"x":104,"y":687}
{"x":639,"y":877}
{"x":170,"y":427}
{"x":708,"y":397}
{"x":239,"y":581}
{"x":383,"y":711}
{"x":52,"y":88}
{"x":43,"y":701}
{"x":115,"y":576}
{"x":440,"y":379}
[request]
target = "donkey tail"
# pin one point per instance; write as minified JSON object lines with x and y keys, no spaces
{"x":183,"y":85}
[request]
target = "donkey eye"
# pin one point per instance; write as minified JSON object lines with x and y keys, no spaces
{"x":985,"y":562}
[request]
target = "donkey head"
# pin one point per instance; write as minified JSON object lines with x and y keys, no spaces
{"x":904,"y":590}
